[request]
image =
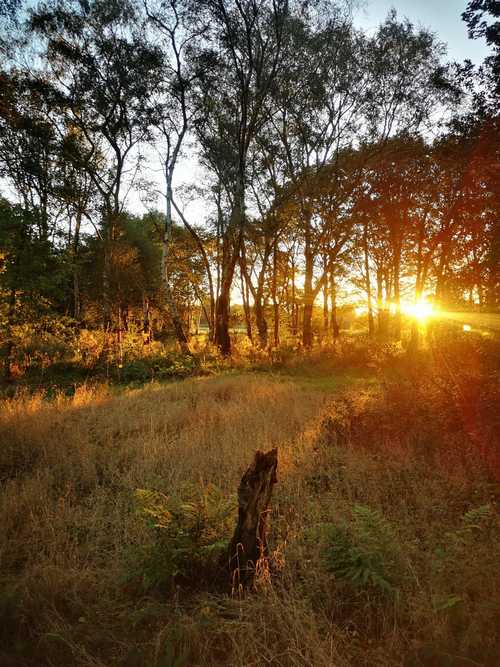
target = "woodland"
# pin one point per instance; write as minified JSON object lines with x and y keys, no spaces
{"x":249,"y":336}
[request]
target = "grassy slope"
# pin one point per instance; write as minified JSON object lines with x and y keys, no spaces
{"x":346,"y":438}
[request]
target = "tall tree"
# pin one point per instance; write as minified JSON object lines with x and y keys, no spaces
{"x":100,"y":73}
{"x":233,"y":96}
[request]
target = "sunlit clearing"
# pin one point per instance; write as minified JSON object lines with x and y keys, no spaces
{"x":360,"y":310}
{"x":467,"y":327}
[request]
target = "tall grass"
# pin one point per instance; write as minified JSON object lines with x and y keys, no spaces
{"x":389,"y":467}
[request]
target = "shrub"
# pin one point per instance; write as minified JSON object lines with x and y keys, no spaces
{"x":190,"y":536}
{"x":364,"y":552}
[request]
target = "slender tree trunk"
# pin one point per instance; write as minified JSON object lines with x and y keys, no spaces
{"x":397,"y":292}
{"x":382,"y":312}
{"x":246,"y":306}
{"x":9,"y":343}
{"x":106,"y":287}
{"x":325,"y":302}
{"x":388,"y":285}
{"x":125,"y":316}
{"x":307,"y":333}
{"x":441,"y":276}
{"x":274,"y":295}
{"x":371,"y":326}
{"x":76,"y":268}
{"x":76,"y":296}
{"x":120,"y":340}
{"x":169,"y":297}
{"x":206,"y":262}
{"x":230,"y":256}
{"x":258,"y":294}
{"x":333,"y":296}
{"x":415,"y":329}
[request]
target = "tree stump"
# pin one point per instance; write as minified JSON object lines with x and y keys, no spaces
{"x":249,"y":543}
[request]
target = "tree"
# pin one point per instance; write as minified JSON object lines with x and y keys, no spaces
{"x":233,"y":95}
{"x":475,"y":16}
{"x":100,"y":76}
{"x":32,"y":273}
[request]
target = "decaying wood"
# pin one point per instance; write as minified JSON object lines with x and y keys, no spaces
{"x":249,"y":544}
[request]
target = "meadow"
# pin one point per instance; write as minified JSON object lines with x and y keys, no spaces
{"x":116,"y":504}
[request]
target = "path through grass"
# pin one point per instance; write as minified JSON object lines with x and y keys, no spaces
{"x":72,"y":588}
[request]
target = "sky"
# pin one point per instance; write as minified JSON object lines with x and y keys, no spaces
{"x":442,"y":17}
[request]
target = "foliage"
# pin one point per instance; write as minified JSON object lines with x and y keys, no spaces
{"x":364,"y":552}
{"x":191,"y":534}
{"x":158,"y":366}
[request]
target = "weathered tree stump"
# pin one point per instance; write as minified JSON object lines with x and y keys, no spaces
{"x":249,"y":543}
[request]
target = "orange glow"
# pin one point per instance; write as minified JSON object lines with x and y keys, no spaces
{"x":421,"y":310}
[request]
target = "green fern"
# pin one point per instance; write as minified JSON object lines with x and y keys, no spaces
{"x":475,"y":519}
{"x":363,"y":552}
{"x":189,"y":534}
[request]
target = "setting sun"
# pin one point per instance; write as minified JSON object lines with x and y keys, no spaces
{"x":421,"y":310}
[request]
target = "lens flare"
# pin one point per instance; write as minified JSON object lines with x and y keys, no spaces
{"x":421,"y":310}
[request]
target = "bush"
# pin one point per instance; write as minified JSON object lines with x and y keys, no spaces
{"x":190,"y":536}
{"x":159,"y":366}
{"x":364,"y":552}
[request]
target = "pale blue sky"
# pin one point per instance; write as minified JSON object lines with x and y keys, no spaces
{"x":443,"y":17}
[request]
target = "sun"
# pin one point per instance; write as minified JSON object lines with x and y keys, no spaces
{"x":421,"y":310}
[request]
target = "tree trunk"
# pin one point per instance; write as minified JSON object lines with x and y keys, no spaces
{"x":441,"y":291}
{"x":333,"y":296}
{"x":230,"y":255}
{"x":248,"y":546}
{"x":9,"y":343}
{"x":222,"y":338}
{"x":381,"y":307}
{"x":106,"y":296}
{"x":307,"y":334}
{"x":146,"y":327}
{"x":258,"y":294}
{"x":276,"y":308}
{"x":76,"y":277}
{"x":397,"y":293}
{"x":229,"y":259}
{"x":169,"y":297}
{"x":325,"y":303}
{"x":371,"y":327}
{"x":210,"y":318}
{"x":260,"y":319}
{"x":246,"y":306}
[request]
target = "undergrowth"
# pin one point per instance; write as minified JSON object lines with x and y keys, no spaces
{"x":116,"y":509}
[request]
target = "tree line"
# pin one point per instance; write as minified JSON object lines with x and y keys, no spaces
{"x":331,"y":160}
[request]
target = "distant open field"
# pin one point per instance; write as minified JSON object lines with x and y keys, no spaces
{"x":384,"y":527}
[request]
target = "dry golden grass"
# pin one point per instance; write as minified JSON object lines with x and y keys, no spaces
{"x":69,"y":471}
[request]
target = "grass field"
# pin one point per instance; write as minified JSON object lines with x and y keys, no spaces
{"x":115,"y":507}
